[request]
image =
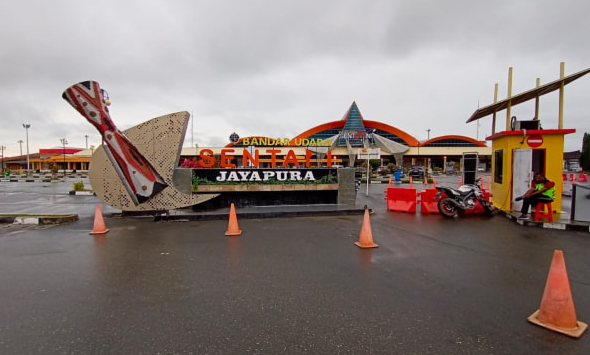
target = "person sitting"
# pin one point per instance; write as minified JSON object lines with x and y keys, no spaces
{"x":542,"y":190}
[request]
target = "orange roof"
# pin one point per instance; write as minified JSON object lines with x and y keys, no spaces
{"x":412,"y":142}
{"x":463,"y":138}
{"x":318,"y":129}
{"x":530,"y":132}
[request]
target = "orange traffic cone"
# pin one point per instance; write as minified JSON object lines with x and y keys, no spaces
{"x":573,"y":179}
{"x":433,"y":182}
{"x":99,"y":227}
{"x":232,"y":227}
{"x":557,"y":306}
{"x":366,"y":237}
{"x":481,"y":181}
{"x":389,"y":182}
{"x":411,"y":182}
{"x":460,"y":181}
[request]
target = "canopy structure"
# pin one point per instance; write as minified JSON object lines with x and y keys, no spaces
{"x":390,"y":146}
{"x":525,"y":96}
{"x":394,"y":148}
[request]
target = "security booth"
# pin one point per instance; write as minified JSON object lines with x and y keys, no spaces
{"x":525,"y":147}
{"x":517,"y":155}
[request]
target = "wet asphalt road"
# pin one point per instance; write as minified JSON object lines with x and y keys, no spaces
{"x":286,"y":286}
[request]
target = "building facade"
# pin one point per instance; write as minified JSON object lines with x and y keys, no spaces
{"x":344,"y":137}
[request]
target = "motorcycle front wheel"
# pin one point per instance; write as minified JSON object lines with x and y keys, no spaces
{"x":447,"y":208}
{"x":489,"y":210}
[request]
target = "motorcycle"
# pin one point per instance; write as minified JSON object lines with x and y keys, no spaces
{"x":452,"y":201}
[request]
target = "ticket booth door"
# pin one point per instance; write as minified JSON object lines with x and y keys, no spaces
{"x":469,"y":167}
{"x":522,"y":168}
{"x":525,"y":162}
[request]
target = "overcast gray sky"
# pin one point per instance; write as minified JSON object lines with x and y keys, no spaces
{"x":278,"y":68}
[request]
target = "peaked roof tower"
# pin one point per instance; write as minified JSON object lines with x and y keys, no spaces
{"x":354,"y":129}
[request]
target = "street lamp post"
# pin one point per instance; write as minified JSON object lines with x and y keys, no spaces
{"x":64,"y":142}
{"x":20,"y":142}
{"x":91,"y":154}
{"x":2,"y":147}
{"x":427,"y":165}
{"x":26,"y":127}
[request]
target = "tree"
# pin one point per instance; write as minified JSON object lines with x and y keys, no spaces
{"x":390,"y":167}
{"x":374,"y":163}
{"x":585,"y":156}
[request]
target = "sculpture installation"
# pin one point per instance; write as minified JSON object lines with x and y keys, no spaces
{"x":133,"y":170}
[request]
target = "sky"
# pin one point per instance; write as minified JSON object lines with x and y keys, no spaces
{"x":278,"y":68}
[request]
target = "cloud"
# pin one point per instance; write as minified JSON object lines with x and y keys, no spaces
{"x":279,"y":68}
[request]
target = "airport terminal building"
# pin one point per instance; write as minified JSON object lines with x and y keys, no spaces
{"x":343,"y":139}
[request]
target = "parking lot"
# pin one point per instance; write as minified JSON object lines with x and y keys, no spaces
{"x":287,"y":285}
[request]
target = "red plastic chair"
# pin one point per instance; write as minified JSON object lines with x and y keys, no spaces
{"x":540,"y":211}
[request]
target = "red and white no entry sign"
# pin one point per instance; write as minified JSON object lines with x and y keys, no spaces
{"x":535,"y":141}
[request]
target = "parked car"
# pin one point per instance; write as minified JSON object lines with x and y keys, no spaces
{"x":450,"y":171}
{"x":417,"y":172}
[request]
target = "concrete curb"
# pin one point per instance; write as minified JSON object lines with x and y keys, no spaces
{"x":38,"y":219}
{"x":82,"y":193}
{"x":570,"y":226}
{"x":29,"y":180}
{"x":162,"y":216}
{"x":40,"y":178}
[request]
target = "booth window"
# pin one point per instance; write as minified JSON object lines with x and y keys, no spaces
{"x":498,"y":166}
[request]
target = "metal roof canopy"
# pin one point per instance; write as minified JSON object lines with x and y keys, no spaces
{"x":525,"y":96}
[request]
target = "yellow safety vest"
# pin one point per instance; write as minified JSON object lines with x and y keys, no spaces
{"x":549,"y":193}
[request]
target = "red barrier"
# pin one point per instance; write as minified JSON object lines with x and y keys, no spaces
{"x":564,"y":176}
{"x":477,"y":208}
{"x":428,"y":203}
{"x":401,"y":199}
{"x":583,"y":178}
{"x":404,"y":200}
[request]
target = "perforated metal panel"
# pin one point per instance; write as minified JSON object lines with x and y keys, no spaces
{"x":159,"y":140}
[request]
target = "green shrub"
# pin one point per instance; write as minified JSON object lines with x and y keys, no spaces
{"x":328,"y":179}
{"x":78,"y":186}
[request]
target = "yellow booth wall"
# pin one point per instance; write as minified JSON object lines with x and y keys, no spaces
{"x":552,"y":144}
